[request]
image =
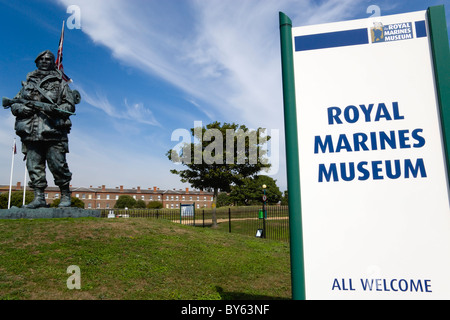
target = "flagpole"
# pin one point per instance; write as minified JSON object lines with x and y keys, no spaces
{"x":12,"y":170}
{"x":24,"y":184}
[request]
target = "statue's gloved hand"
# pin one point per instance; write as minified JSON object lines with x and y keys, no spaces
{"x":21,"y":110}
{"x":48,"y":108}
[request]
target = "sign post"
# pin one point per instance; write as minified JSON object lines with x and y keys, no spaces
{"x":367,"y":125}
{"x":292,"y":160}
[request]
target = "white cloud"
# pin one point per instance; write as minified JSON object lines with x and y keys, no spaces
{"x":204,"y":110}
{"x":223,"y":54}
{"x":136,"y":112}
{"x":99,"y":162}
{"x":99,"y":101}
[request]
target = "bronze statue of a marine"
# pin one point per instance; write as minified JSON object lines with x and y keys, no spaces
{"x":42,"y":109}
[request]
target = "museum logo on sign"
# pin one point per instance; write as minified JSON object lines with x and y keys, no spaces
{"x":391,"y":32}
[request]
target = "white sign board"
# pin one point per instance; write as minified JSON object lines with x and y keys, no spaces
{"x":187,"y":210}
{"x":374,"y":189}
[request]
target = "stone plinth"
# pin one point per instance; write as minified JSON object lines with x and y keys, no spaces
{"x":47,"y":213}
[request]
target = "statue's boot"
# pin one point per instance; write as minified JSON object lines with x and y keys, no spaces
{"x":66,"y":197}
{"x":38,"y":201}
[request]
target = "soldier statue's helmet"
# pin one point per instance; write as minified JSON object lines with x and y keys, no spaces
{"x":43,"y":53}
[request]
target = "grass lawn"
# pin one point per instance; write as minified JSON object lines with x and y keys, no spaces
{"x":138,"y":259}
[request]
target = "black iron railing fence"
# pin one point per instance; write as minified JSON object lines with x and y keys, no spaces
{"x":271,"y":222}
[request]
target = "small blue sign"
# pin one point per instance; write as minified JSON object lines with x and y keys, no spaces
{"x":391,"y":32}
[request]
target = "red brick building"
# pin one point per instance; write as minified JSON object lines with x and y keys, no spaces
{"x":105,"y":198}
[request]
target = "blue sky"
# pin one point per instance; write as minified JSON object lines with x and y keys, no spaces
{"x":148,"y":67}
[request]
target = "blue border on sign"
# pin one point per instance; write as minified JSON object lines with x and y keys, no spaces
{"x":421,"y":29}
{"x":331,"y":39}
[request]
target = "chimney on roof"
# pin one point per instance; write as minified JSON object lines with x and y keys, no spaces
{"x":155,"y":188}
{"x":19,"y":185}
{"x":138,"y":189}
{"x":103,"y":187}
{"x":187,"y":190}
{"x":121,"y":188}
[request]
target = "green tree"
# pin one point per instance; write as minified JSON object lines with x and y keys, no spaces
{"x":16,"y":199}
{"x":125,"y":201}
{"x":285,"y":199}
{"x":75,"y":202}
{"x":251,"y":191}
{"x":224,"y":200}
{"x":140,"y":204}
{"x":221,"y":156}
{"x":154,"y":205}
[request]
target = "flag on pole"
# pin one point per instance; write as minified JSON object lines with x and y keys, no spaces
{"x":59,"y":57}
{"x":14,"y":147}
